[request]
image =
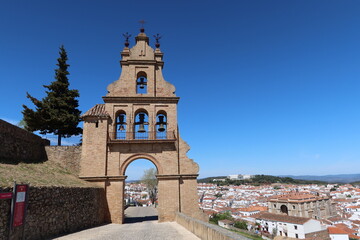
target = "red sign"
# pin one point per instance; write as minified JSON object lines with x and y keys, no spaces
{"x":19,"y":208}
{"x":6,"y":195}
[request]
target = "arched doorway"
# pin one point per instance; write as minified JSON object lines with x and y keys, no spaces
{"x":140,"y":191}
{"x":284,"y":209}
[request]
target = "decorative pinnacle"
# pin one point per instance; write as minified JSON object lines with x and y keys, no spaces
{"x":142,"y":22}
{"x":157,"y":38}
{"x":126,"y":36}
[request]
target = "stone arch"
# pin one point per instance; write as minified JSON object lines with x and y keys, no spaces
{"x":141,"y":74}
{"x":132,"y":158}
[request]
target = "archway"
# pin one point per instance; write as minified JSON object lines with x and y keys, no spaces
{"x":140,"y":191}
{"x":284,"y":209}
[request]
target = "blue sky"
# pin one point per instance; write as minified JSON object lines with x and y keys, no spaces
{"x":266,"y":87}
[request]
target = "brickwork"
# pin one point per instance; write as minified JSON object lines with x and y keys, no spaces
{"x":57,"y":210}
{"x":105,"y":157}
{"x":19,"y":145}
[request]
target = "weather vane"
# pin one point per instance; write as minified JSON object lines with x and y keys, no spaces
{"x":157,"y":38}
{"x":126,"y":36}
{"x":142,"y":22}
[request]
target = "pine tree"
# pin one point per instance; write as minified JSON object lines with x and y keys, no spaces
{"x":57,"y":113}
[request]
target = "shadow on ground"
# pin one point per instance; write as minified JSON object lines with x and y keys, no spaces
{"x":140,"y":219}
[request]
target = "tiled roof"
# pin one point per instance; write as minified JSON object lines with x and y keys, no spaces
{"x":281,"y":218}
{"x":336,"y":230}
{"x":97,"y":111}
{"x":298,"y":197}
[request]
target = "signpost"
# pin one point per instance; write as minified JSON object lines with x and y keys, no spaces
{"x":19,"y":204}
{"x":19,"y":198}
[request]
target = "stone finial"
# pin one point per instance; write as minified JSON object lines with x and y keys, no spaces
{"x":126,"y":36}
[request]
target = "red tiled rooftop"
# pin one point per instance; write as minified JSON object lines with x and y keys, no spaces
{"x":336,"y":230}
{"x":97,"y":111}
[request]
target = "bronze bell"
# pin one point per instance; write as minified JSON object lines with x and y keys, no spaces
{"x":142,"y":83}
{"x":141,"y":128}
{"x":161,"y":124}
{"x":161,"y":127}
{"x":121,"y":127}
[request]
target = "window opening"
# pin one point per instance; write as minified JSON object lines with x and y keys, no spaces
{"x":141,"y":85}
{"x":161,"y":126}
{"x":141,"y":126}
{"x":121,"y":126}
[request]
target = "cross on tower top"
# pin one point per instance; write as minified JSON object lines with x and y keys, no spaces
{"x":142,"y":22}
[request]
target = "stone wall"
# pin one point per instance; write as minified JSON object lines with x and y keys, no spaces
{"x":19,"y":145}
{"x":53,"y":211}
{"x":66,"y":156}
{"x":205,"y":230}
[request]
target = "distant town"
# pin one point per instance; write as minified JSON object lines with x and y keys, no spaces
{"x":299,"y":211}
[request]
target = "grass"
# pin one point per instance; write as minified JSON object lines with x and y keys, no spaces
{"x":39,"y":174}
{"x":249,"y":235}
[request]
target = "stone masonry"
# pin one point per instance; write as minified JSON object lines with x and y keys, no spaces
{"x":128,"y":126}
{"x":56,"y":210}
{"x":19,"y":145}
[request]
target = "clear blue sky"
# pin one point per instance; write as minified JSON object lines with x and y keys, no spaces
{"x":266,"y":87}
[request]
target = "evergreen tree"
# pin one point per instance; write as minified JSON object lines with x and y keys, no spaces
{"x":57,"y":113}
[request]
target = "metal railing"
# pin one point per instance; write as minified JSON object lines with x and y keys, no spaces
{"x":128,"y":136}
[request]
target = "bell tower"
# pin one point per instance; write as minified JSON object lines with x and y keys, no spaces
{"x":138,"y":120}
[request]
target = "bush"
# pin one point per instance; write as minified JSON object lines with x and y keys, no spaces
{"x":220,"y":216}
{"x":241,"y":225}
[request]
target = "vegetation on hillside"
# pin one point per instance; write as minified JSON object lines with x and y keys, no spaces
{"x":258,"y":180}
{"x":39,"y":174}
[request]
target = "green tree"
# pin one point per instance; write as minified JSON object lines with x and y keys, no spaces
{"x":58,"y":112}
{"x":241,"y":225}
{"x":216,"y":217}
{"x":151,"y":182}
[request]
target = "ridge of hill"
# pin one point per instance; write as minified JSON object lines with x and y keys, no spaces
{"x":258,"y":180}
{"x":336,"y":178}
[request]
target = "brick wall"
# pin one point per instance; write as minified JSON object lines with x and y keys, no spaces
{"x":66,"y":156}
{"x":56,"y":210}
{"x":19,"y":145}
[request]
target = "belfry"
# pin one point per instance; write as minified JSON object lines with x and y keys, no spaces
{"x":138,"y":120}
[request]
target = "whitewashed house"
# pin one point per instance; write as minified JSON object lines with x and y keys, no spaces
{"x":288,"y":226}
{"x":336,"y":233}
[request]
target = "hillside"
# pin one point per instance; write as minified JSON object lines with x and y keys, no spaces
{"x":260,"y":179}
{"x":338,"y":178}
{"x":38,"y":174}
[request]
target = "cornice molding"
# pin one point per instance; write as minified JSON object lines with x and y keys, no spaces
{"x":141,"y":99}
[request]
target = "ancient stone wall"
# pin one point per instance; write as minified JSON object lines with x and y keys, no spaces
{"x":66,"y":156}
{"x":53,"y":211}
{"x":206,"y":230}
{"x":19,"y":145}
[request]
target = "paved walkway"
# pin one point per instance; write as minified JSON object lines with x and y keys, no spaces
{"x":138,"y":230}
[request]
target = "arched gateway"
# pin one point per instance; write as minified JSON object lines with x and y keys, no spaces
{"x":139,"y":120}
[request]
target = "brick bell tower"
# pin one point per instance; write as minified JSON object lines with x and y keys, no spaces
{"x":138,"y":120}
